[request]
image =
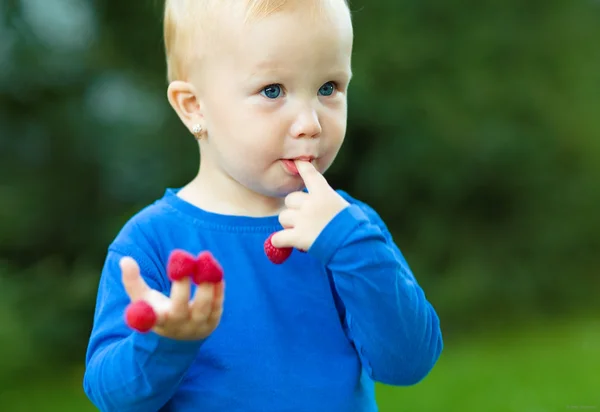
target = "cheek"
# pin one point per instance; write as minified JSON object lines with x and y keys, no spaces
{"x":336,"y":126}
{"x":335,"y":129}
{"x":253,"y":144}
{"x":259,"y":131}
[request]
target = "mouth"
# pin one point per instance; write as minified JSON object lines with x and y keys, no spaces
{"x":290,"y":164}
{"x":304,"y":158}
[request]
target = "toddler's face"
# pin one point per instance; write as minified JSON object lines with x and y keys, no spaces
{"x":277,"y":91}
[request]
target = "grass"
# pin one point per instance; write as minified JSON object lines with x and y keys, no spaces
{"x":546,"y":368}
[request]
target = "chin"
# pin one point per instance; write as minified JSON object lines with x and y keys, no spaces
{"x":274,"y":186}
{"x":283,"y":190}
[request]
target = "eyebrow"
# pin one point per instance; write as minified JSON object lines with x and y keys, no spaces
{"x":344,"y":73}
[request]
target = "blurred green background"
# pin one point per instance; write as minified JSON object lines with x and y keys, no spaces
{"x":473,"y":130}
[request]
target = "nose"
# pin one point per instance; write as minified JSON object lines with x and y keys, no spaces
{"x":306,"y":125}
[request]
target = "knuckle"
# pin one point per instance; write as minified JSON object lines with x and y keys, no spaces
{"x":201,"y":313}
{"x":293,"y":199}
{"x":217,"y":314}
{"x":284,"y":218}
{"x":178,"y":317}
{"x":200,"y":320}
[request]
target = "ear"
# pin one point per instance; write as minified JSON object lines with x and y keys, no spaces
{"x":184,"y":100}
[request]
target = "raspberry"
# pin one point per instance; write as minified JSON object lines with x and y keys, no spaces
{"x":275,"y":254}
{"x":140,"y":316}
{"x":181,"y":264}
{"x":208,"y":270}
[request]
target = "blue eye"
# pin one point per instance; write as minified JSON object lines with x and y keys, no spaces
{"x":327,"y":89}
{"x":272,"y":91}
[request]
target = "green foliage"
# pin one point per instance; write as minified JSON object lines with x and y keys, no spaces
{"x":45,"y":315}
{"x":472,"y":130}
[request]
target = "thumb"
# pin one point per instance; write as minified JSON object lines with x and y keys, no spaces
{"x":135,"y":286}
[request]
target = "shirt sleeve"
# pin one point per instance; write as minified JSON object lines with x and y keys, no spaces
{"x":128,"y":371}
{"x":395,"y":330}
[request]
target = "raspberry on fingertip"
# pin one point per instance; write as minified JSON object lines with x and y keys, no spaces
{"x":140,"y":316}
{"x":275,"y":254}
{"x":208,"y":269}
{"x":180,"y":265}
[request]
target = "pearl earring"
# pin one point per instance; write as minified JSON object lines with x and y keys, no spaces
{"x":197,"y":130}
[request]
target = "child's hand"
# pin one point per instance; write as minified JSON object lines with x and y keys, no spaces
{"x":176,"y":316}
{"x":307,"y":214}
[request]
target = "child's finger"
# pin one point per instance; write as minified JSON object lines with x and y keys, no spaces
{"x":217,"y":304}
{"x":295,"y":199}
{"x":161,"y":304}
{"x":180,"y":297}
{"x":313,"y":179}
{"x":133,"y":282}
{"x":215,"y":316}
{"x":287,"y":218}
{"x":284,"y":238}
{"x":203,"y":301}
{"x":219,"y":294}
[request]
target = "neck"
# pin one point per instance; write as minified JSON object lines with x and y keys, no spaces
{"x":215,"y":191}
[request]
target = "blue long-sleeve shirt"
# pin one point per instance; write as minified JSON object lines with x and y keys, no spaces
{"x":311,"y":334}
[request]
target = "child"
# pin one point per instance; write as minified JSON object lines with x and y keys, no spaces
{"x":262,"y":84}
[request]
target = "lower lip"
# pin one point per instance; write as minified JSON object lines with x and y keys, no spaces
{"x":290,"y":166}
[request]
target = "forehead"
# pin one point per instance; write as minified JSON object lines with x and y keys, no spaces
{"x":298,"y":35}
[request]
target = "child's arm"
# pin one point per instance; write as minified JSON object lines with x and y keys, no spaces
{"x":127,"y":371}
{"x":395,"y":329}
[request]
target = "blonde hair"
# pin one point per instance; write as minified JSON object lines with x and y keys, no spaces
{"x":187,"y":21}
